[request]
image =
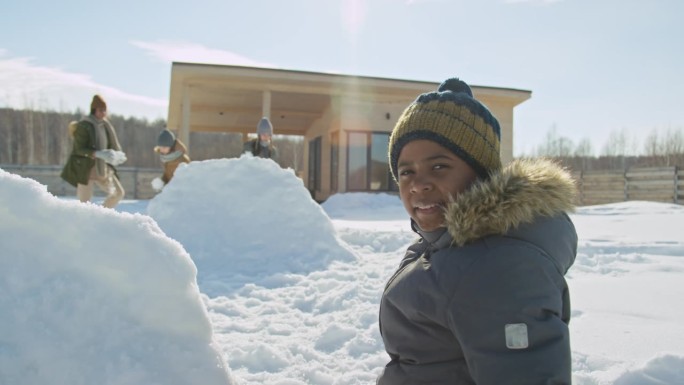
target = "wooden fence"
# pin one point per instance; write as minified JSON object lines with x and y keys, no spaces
{"x":658,"y":184}
{"x":135,"y":181}
{"x":662,"y":184}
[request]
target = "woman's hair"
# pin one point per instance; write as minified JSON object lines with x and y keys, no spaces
{"x":257,"y":147}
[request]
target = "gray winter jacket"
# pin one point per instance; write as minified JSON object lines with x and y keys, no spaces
{"x":485,"y":301}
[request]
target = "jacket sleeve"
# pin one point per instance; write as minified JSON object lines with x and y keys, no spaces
{"x":83,"y":143}
{"x":180,"y":146}
{"x":507,"y":314}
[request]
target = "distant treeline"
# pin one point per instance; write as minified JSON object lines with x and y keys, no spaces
{"x":41,"y":138}
{"x":663,"y":148}
{"x":617,"y":162}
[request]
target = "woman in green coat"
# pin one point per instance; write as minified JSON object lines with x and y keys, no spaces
{"x":95,"y":154}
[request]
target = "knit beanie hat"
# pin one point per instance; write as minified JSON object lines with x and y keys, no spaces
{"x":166,"y":139}
{"x":264,"y":127}
{"x":97,"y":102}
{"x":452,"y":118}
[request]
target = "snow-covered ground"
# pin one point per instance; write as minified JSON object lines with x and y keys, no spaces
{"x":233,"y":275}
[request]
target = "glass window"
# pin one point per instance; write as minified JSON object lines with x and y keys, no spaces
{"x":334,"y":160}
{"x":379,"y":169}
{"x":357,"y":172}
{"x":315,"y":165}
{"x":368,"y":169}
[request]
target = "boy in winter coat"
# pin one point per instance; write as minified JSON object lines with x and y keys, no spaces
{"x":95,"y":154}
{"x":262,"y":146}
{"x":481,"y":297}
{"x":172,"y":152}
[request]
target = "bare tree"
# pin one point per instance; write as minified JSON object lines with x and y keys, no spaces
{"x":584,"y":148}
{"x":6,"y":139}
{"x":29,"y":137}
{"x":673,"y":146}
{"x":584,"y":152}
{"x":555,"y":146}
{"x":615,"y":146}
{"x":664,"y":150}
{"x":652,"y":145}
{"x":618,"y":146}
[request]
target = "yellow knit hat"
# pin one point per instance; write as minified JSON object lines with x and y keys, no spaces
{"x":455,"y":120}
{"x":98,"y":102}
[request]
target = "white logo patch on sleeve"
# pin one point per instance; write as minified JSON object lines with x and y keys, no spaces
{"x":516,"y":336}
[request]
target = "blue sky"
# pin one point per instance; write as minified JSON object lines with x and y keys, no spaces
{"x":595,"y":68}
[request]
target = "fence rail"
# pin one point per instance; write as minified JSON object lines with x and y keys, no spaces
{"x":658,"y":184}
{"x":135,"y":181}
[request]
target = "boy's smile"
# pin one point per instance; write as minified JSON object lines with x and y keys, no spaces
{"x":429,"y":177}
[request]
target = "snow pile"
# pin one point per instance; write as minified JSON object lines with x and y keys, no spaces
{"x":372,"y":205}
{"x":77,"y":312}
{"x":93,"y":296}
{"x":246,"y":220}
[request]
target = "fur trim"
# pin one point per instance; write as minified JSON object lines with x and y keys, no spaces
{"x":522,"y":191}
{"x":72,"y":128}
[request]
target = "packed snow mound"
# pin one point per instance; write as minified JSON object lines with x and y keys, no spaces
{"x":632,"y":208}
{"x":246,"y":220}
{"x":93,"y":296}
{"x":356,"y":205}
{"x":663,"y":369}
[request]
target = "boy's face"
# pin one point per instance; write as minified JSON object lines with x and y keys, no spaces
{"x":429,"y":175}
{"x":164,"y":149}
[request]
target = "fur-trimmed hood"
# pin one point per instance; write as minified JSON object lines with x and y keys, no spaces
{"x":453,"y":307}
{"x":516,"y":195}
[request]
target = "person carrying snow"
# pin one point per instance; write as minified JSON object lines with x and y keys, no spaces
{"x":262,"y":146}
{"x":95,"y":154}
{"x":172,"y":152}
{"x":480,"y":297}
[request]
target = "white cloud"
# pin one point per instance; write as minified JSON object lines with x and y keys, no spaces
{"x":411,"y":2}
{"x":28,"y":85}
{"x":20,"y":74}
{"x":170,"y":51}
{"x":532,"y":1}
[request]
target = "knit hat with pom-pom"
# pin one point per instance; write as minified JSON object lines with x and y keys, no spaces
{"x":166,"y":139}
{"x":455,"y":120}
{"x":264,"y":127}
{"x":97,"y":102}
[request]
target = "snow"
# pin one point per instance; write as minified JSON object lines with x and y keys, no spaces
{"x":93,"y":296}
{"x":245,"y":208}
{"x":233,"y":275}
